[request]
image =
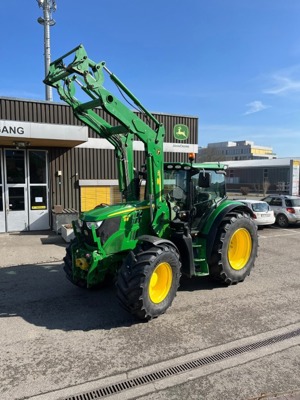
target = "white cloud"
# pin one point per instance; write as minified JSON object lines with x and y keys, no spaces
{"x":255,"y":106}
{"x":284,"y":85}
{"x":285,"y":82}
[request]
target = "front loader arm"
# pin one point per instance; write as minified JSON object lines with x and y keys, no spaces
{"x":89,"y":76}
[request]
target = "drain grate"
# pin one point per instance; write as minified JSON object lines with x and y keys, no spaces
{"x":184,"y":367}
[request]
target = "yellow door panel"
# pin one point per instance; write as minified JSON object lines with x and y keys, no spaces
{"x":92,"y":196}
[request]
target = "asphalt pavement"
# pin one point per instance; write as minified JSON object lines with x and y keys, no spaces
{"x":33,"y":248}
{"x":22,"y":248}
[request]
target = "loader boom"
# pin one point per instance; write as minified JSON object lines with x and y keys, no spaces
{"x":88,"y":76}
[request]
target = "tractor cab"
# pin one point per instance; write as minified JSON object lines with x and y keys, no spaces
{"x":193,"y":190}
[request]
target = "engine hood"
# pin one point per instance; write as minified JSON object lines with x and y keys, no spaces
{"x":103,"y":212}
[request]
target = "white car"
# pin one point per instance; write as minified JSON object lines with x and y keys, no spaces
{"x":286,"y":209}
{"x":263,"y":215}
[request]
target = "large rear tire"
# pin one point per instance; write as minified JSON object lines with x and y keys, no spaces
{"x":148,"y":280}
{"x":235,"y":249}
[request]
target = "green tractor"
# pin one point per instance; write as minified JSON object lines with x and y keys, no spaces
{"x":184,"y":224}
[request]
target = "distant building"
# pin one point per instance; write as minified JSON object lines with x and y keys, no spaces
{"x":281,"y":175}
{"x":240,"y":150}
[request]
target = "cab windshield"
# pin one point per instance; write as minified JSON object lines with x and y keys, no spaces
{"x":176,"y":186}
{"x":182,"y":186}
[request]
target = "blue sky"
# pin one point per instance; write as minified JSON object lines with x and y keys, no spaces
{"x":235,"y":64}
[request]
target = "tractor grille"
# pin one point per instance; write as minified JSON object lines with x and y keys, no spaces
{"x":108,"y":227}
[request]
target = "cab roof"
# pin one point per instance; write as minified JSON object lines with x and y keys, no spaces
{"x":206,"y":165}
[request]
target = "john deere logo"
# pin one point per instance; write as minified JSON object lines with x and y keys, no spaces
{"x":181,"y":132}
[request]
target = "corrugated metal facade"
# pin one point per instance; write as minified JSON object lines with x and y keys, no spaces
{"x":56,"y":113}
{"x":84,"y":163}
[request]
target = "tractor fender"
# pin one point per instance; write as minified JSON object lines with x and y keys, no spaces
{"x":181,"y":244}
{"x":155,"y":240}
{"x":211,"y":228}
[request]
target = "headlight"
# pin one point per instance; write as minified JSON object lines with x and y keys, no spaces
{"x":80,"y":223}
{"x":96,"y":224}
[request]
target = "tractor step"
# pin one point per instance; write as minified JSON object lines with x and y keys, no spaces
{"x":201,"y":267}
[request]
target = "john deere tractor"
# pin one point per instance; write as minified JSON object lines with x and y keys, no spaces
{"x":184,"y":224}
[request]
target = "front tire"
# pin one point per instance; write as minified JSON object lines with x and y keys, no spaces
{"x":235,"y":249}
{"x":68,"y":268}
{"x":148,"y":280}
{"x":108,"y":280}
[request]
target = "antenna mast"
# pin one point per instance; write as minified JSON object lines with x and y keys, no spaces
{"x":48,"y":6}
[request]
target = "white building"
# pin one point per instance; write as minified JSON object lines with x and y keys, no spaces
{"x":238,"y":150}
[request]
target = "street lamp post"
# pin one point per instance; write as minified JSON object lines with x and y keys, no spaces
{"x":48,"y":7}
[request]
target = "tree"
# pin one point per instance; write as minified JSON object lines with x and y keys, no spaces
{"x":207,"y":154}
{"x":266,"y":185}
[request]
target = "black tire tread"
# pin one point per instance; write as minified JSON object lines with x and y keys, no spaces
{"x":68,"y":265}
{"x":132,"y":279}
{"x":217,"y":270}
{"x":284,"y":218}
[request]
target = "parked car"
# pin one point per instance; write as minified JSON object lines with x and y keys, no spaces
{"x":263,"y":215}
{"x":286,"y":209}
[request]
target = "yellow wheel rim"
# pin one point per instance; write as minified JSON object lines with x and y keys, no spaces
{"x":160,"y":282}
{"x":239,"y":250}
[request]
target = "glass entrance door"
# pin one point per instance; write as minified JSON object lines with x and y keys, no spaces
{"x":38,"y":190}
{"x":16,"y":190}
{"x":25,"y":202}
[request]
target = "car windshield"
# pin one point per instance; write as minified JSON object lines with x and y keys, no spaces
{"x":292,"y":202}
{"x":260,"y":207}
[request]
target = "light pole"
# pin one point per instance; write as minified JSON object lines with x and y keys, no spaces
{"x":48,"y":7}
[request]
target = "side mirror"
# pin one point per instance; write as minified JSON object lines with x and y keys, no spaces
{"x":204,"y":179}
